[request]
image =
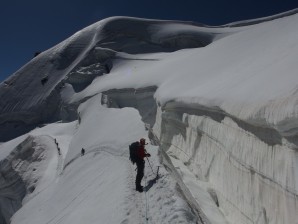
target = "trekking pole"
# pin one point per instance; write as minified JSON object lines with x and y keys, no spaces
{"x":150,"y":165}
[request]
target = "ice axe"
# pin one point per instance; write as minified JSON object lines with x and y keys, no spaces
{"x":152,"y":168}
{"x":157,"y":176}
{"x":150,"y":164}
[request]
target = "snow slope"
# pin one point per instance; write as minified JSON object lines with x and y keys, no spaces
{"x":222,"y":74}
{"x":219,"y":102}
{"x":99,"y":186}
{"x":83,"y":57}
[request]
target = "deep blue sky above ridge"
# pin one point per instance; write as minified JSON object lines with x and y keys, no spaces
{"x":36,"y":25}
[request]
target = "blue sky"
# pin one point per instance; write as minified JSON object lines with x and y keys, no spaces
{"x":36,"y":25}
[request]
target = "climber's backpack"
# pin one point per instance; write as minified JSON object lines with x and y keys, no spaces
{"x":133,"y":148}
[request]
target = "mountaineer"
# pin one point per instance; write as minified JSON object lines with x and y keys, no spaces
{"x":137,"y":154}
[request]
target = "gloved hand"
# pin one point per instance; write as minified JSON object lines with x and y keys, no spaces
{"x":148,"y":155}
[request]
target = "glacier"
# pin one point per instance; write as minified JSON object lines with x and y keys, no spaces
{"x":219,"y":105}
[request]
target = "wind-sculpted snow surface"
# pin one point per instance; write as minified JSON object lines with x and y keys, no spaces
{"x":222,"y":102}
{"x":99,"y":187}
{"x":261,"y":20}
{"x":31,"y":96}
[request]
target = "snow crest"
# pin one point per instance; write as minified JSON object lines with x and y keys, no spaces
{"x":220,"y":102}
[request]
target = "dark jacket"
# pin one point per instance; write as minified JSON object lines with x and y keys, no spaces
{"x":142,"y":152}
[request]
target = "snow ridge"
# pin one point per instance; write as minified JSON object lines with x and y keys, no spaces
{"x":221,"y":102}
{"x":31,"y":96}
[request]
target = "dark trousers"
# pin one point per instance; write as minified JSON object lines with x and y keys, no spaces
{"x":140,"y":172}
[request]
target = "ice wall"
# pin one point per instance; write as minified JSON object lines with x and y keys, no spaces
{"x":253,"y":170}
{"x":20,"y":173}
{"x":12,"y":191}
{"x":12,"y":186}
{"x":140,"y":99}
